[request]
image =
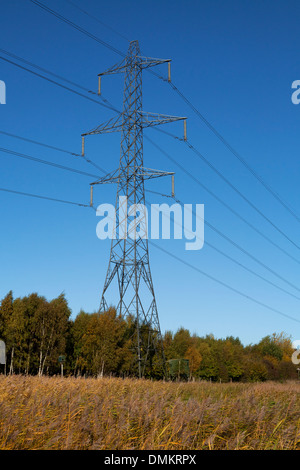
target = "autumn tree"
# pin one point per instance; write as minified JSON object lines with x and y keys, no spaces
{"x":102,"y":341}
{"x":181,"y":342}
{"x":50,"y":331}
{"x":37,"y":331}
{"x":34,"y":331}
{"x":194,"y":357}
{"x":20,"y":333}
{"x":6,"y":311}
{"x":78,"y":329}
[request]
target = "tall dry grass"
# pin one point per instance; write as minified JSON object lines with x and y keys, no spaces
{"x":116,"y":414}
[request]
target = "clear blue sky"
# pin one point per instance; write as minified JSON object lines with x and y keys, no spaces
{"x":235,"y":61}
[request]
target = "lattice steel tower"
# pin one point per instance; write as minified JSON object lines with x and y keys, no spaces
{"x":129,"y":257}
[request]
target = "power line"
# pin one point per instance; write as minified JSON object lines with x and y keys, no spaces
{"x":108,"y":105}
{"x":232,"y":242}
{"x":57,"y":83}
{"x":188,"y":143}
{"x":84,"y":205}
{"x":221,"y":234}
{"x":87,"y":174}
{"x":238,"y":263}
{"x":69,"y":169}
{"x":101,"y":169}
{"x":45,"y":162}
{"x":210,"y":126}
{"x":63,"y":150}
{"x":166,"y":252}
{"x":29,"y":157}
{"x":79,"y":28}
{"x":232,"y":186}
{"x":195,"y":268}
{"x":228,"y":239}
{"x":25,"y":139}
{"x":49,"y":72}
{"x":39,"y":4}
{"x":234,"y":152}
{"x":240,"y":248}
{"x":212,"y":227}
{"x":221,"y":201}
{"x":97,"y":19}
{"x":207,"y":123}
{"x":87,"y":33}
{"x":42,"y":69}
{"x":224,"y":254}
{"x":54,"y":148}
{"x":43,"y":197}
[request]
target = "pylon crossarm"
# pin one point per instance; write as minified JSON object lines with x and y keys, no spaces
{"x":148,"y":173}
{"x":144,"y":173}
{"x":109,"y":178}
{"x":154,"y":119}
{"x":113,"y":125}
{"x":148,"y":120}
{"x":117,"y":68}
{"x":146,"y":62}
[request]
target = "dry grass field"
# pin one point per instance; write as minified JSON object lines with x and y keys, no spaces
{"x":115,"y":414}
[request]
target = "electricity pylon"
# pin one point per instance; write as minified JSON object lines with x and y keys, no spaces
{"x":129,"y":256}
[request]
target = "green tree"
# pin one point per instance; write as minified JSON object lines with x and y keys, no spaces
{"x":6,"y":311}
{"x":181,"y":342}
{"x":78,"y":330}
{"x":102,"y":342}
{"x":51,"y":324}
{"x":20,"y":333}
{"x":168,"y":343}
{"x":254,"y":370}
{"x":208,"y":369}
{"x":194,"y":357}
{"x":268,"y":346}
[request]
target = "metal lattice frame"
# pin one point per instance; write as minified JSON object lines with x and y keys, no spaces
{"x":129,"y":256}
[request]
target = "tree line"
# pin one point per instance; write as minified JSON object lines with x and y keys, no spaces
{"x":38,"y":332}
